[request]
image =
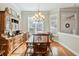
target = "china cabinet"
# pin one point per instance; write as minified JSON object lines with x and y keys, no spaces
{"x":10,"y":36}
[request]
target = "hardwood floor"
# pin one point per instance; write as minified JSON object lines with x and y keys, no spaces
{"x":58,"y":50}
{"x":20,"y":51}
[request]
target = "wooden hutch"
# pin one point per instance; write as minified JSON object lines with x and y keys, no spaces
{"x":10,"y":37}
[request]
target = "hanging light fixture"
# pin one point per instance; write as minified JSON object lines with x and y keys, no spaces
{"x":38,"y":16}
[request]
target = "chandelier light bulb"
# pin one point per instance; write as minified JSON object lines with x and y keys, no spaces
{"x":40,"y":13}
{"x":43,"y":16}
{"x":38,"y":16}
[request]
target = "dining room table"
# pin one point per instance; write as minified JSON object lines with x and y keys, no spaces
{"x":39,"y":45}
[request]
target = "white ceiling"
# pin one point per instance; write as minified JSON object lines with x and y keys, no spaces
{"x":43,"y":6}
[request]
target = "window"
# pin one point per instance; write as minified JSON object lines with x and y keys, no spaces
{"x":35,"y":26}
{"x":53,"y":24}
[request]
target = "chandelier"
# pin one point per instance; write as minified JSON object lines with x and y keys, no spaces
{"x":38,"y":16}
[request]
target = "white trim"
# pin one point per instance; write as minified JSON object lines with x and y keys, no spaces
{"x":73,"y":35}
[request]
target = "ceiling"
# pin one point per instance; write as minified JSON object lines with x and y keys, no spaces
{"x":43,"y":6}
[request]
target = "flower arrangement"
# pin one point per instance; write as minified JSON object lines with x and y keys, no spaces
{"x":50,"y":35}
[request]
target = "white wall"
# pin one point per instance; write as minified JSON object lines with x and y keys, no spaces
{"x":69,"y":41}
{"x":24,"y":21}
